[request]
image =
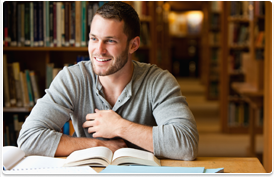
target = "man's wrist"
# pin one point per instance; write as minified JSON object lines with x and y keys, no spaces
{"x":125,"y":126}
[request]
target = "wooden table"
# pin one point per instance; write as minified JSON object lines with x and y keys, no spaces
{"x":230,"y":164}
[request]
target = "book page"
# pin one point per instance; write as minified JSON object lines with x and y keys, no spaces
{"x":139,"y":154}
{"x":11,"y":156}
{"x":39,"y":162}
{"x":95,"y":152}
{"x":53,"y":170}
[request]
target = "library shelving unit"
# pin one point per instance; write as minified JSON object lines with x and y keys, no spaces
{"x":38,"y":58}
{"x":241,"y":67}
{"x":241,"y":89}
{"x":212,"y":37}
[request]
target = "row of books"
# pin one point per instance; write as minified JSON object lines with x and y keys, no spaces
{"x":12,"y":125}
{"x":214,"y":38}
{"x":260,"y":39}
{"x":238,"y":34}
{"x":11,"y":129}
{"x":21,"y":88}
{"x":56,"y":24}
{"x":259,"y":7}
{"x":215,"y":21}
{"x":52,"y":70}
{"x":237,"y":61}
{"x":48,"y":23}
{"x":242,"y":9}
{"x":216,"y":6}
{"x":238,"y":114}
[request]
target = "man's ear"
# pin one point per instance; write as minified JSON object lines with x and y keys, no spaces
{"x":134,"y":44}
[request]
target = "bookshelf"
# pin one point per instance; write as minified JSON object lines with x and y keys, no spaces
{"x":212,"y":40}
{"x":60,"y":42}
{"x":241,"y":78}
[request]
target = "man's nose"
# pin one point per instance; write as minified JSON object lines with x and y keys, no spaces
{"x":101,"y":47}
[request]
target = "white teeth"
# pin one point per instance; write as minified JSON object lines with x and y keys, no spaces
{"x":102,"y":59}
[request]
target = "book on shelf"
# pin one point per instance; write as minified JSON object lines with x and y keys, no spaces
{"x":21,"y":88}
{"x":216,"y":6}
{"x":259,"y":8}
{"x":103,"y":156}
{"x":238,"y":114}
{"x":83,"y":24}
{"x":239,"y":61}
{"x":12,"y":124}
{"x":238,"y":34}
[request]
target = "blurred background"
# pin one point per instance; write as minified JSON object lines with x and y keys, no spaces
{"x":220,"y":53}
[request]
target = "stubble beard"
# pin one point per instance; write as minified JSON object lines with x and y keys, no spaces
{"x":119,"y":63}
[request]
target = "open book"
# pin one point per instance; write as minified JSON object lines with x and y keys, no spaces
{"x":15,"y":159}
{"x":102,"y":156}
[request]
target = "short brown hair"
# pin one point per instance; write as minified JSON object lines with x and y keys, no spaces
{"x":122,"y":11}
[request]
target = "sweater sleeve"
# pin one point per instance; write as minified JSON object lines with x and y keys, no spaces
{"x":175,"y":135}
{"x":40,"y":133}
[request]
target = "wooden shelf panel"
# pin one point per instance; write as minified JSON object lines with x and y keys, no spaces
{"x":17,"y":109}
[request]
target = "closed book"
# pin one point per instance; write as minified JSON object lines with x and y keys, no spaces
{"x":40,"y":24}
{"x":54,"y":25}
{"x":47,"y":27}
{"x":35,"y":24}
{"x":72,"y":25}
{"x":19,"y":24}
{"x":62,"y":25}
{"x":16,"y":75}
{"x":34,"y":82}
{"x":83,"y":24}
{"x":49,"y":74}
{"x":12,"y":88}
{"x":51,"y":23}
{"x":22,"y":25}
{"x":6,"y":23}
{"x":6,"y":82}
{"x":58,"y":24}
{"x":27,"y":24}
{"x":13,"y":35}
{"x":67,"y":23}
{"x":31,"y":25}
{"x":25,"y":94}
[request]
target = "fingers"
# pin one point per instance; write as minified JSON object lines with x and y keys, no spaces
{"x":88,"y":124}
{"x":90,"y":117}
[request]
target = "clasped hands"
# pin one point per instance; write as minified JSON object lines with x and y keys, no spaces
{"x":104,"y":123}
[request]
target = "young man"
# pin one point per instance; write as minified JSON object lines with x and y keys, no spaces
{"x":112,"y":100}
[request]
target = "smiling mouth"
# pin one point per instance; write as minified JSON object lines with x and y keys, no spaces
{"x":102,"y":59}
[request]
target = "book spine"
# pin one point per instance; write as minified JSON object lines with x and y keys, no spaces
{"x":22,"y":25}
{"x":24,"y":99}
{"x":9,"y":23}
{"x":58,"y":24}
{"x":84,"y":23}
{"x":16,"y":70}
{"x":24,"y":87}
{"x":67,"y":24}
{"x":19,"y":25}
{"x":49,"y":74}
{"x":6,"y":82}
{"x":44,"y":23}
{"x":47,"y":24}
{"x":14,"y":24}
{"x":35,"y":24}
{"x":27,"y":24}
{"x":11,"y":85}
{"x":62,"y":25}
{"x":40,"y":24}
{"x":31,"y":25}
{"x":72,"y":25}
{"x":30,"y":92}
{"x":77,"y":23}
{"x":54,"y":25}
{"x":6,"y":18}
{"x":51,"y":23}
{"x":34,"y":83}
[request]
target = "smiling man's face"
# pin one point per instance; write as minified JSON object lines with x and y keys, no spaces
{"x":108,"y":45}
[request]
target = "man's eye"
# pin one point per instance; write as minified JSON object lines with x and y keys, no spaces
{"x":111,"y":41}
{"x":93,"y":39}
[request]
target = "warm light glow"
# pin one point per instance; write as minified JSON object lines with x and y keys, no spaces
{"x":194,"y":17}
{"x":184,"y":23}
